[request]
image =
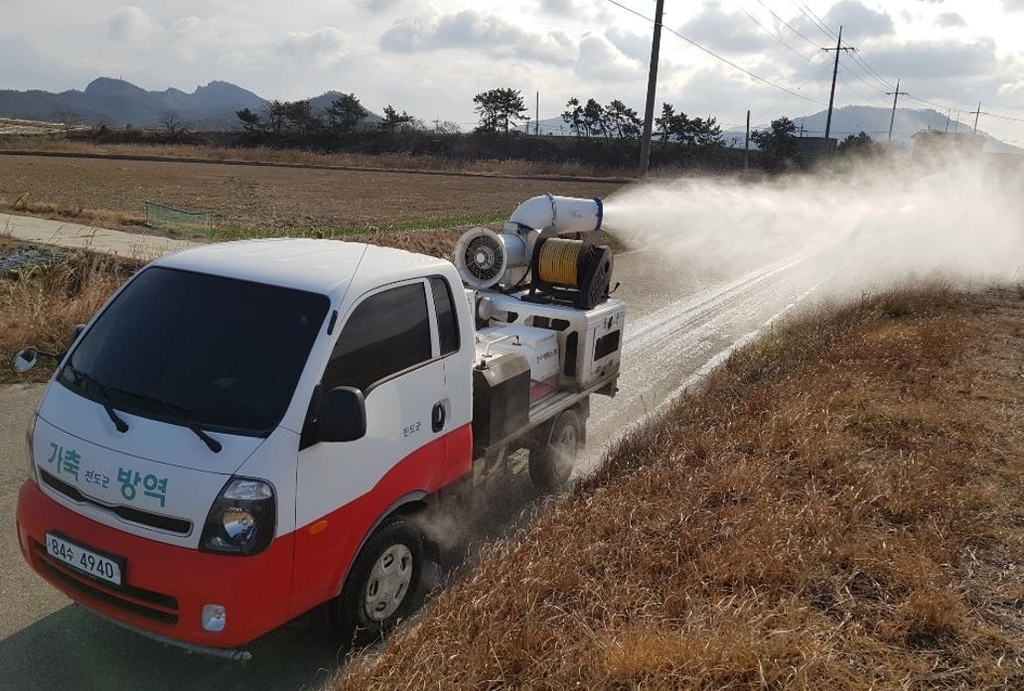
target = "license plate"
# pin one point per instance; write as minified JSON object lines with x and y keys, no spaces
{"x":87,"y":561}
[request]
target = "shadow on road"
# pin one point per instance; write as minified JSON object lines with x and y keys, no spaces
{"x":75,"y":649}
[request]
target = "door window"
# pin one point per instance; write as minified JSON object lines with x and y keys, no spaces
{"x":447,"y":318}
{"x":387,"y":333}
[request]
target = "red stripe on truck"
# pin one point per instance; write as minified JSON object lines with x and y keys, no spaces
{"x":322,"y":560}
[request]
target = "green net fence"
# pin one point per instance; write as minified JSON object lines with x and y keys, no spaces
{"x":169,"y":218}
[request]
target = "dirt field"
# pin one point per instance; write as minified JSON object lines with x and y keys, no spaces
{"x":261,"y":197}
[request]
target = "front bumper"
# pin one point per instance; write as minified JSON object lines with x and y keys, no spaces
{"x":165,"y":586}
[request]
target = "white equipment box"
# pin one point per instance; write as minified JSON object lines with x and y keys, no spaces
{"x":538,"y":346}
{"x":589,"y":341}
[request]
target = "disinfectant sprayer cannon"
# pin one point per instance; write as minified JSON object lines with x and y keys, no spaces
{"x":531,"y":255}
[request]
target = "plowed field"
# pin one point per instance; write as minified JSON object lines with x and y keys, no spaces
{"x":242,"y":196}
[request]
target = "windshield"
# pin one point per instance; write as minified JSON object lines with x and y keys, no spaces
{"x":177,"y":346}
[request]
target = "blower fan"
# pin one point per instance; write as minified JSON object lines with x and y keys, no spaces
{"x":485,"y":258}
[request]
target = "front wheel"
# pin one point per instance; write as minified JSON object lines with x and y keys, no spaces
{"x":552,"y":462}
{"x":383,"y":584}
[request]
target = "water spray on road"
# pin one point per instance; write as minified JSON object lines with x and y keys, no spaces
{"x":961,"y":220}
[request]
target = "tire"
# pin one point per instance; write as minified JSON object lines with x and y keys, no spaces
{"x":552,"y":462}
{"x":383,"y":584}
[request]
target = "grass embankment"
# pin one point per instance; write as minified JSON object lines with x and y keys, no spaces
{"x":840,"y":508}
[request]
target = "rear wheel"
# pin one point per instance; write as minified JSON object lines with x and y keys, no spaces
{"x":382,"y":587}
{"x":552,"y":462}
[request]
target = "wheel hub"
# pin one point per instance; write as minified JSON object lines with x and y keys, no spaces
{"x":389,"y":581}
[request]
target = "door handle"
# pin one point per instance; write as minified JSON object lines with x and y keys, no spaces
{"x":437,"y":416}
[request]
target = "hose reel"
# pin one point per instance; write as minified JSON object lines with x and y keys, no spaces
{"x":571,"y":271}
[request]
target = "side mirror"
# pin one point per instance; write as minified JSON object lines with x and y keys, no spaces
{"x":24,"y":360}
{"x":76,"y":331}
{"x":342,"y":415}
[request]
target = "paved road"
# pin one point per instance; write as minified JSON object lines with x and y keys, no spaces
{"x":675,"y":325}
{"x":77,"y":236}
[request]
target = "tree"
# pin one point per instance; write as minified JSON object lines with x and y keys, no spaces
{"x":673,"y":126}
{"x":621,"y":120}
{"x":499,"y":109}
{"x":393,"y":120}
{"x":172,"y":124}
{"x":857,"y":145}
{"x":593,"y":117}
{"x":275,"y":112}
{"x":573,"y":116}
{"x":251,"y":123}
{"x":299,"y":118}
{"x":704,"y":132}
{"x":778,"y":144}
{"x":344,"y":113}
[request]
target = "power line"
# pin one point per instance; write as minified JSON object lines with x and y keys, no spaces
{"x":786,"y":24}
{"x":859,"y":59}
{"x":773,"y":35}
{"x":719,"y":57}
{"x":816,"y":23}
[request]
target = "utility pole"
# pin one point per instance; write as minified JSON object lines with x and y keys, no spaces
{"x":976,"y":114}
{"x":832,"y":93}
{"x":746,"y":146}
{"x":536,"y":120}
{"x":895,"y":95}
{"x":652,"y":84}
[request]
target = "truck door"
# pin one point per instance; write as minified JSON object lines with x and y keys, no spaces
{"x":388,"y":348}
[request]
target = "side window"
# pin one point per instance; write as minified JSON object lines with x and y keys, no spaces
{"x":447,"y":318}
{"x":387,"y":333}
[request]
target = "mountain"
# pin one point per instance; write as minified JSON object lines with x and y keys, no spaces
{"x":118,"y":102}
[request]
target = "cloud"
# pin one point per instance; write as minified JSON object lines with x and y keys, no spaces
{"x":562,"y":8}
{"x":1013,"y":5}
{"x":602,"y":61}
{"x":858,"y":21}
{"x":378,"y":6}
{"x":732,"y":32}
{"x":470,"y":30}
{"x":633,"y":45}
{"x":326,"y":44}
{"x":130,"y":24}
{"x":936,"y":59}
{"x":950,"y":20}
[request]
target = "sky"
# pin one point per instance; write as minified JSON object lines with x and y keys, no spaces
{"x":430,"y":58}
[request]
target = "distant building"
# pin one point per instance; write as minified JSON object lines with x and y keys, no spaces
{"x":928,"y":143}
{"x":815,"y":147}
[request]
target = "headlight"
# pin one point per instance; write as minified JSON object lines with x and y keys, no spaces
{"x":29,"y":433}
{"x":242,"y":519}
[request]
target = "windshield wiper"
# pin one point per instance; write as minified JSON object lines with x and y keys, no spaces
{"x":79,"y":376}
{"x":179,"y":414}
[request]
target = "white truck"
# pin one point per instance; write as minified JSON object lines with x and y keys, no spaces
{"x":248,"y":430}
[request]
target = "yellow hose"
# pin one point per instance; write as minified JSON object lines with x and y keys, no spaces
{"x":558,"y":261}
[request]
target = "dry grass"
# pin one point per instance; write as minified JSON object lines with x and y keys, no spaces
{"x":41,"y":307}
{"x":23,"y":204}
{"x":840,"y":508}
{"x":296,"y":157}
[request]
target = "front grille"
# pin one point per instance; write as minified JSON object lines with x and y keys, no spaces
{"x":128,"y":513}
{"x":152,"y":605}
